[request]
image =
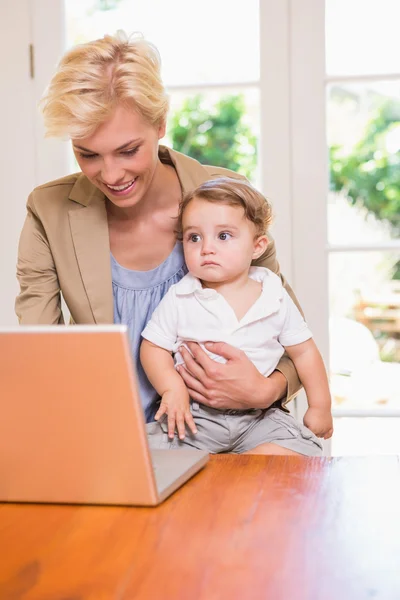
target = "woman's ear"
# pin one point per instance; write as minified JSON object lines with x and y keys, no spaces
{"x":260,"y":246}
{"x":162,"y":127}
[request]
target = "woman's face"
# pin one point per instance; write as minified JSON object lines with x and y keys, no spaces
{"x":121,"y":157}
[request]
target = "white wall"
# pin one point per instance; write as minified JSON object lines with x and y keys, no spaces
{"x":51,"y":157}
{"x":17,"y":143}
{"x":26,"y":159}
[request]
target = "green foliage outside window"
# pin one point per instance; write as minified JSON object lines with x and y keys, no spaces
{"x":370,"y":174}
{"x":216,"y":135}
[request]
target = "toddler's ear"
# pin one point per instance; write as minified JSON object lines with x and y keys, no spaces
{"x":260,"y":246}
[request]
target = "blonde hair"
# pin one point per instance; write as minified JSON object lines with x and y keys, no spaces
{"x":235,"y":192}
{"x":93,"y":78}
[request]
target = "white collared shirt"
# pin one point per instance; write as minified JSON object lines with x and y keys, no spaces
{"x":189,"y":312}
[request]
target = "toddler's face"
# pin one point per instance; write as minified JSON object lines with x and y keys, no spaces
{"x":218,"y":241}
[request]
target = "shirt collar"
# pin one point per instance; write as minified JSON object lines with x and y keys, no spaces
{"x":188,"y":285}
{"x":268,"y":303}
{"x":271,"y":296}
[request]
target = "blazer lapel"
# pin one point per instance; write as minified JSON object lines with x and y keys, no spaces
{"x":90,"y":237}
{"x":190,"y":172}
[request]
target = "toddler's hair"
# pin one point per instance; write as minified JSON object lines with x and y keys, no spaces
{"x":235,"y":192}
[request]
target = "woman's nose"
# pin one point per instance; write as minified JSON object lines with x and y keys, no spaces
{"x":111,"y":173}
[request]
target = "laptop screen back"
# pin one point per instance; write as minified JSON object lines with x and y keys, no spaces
{"x":70,"y":413}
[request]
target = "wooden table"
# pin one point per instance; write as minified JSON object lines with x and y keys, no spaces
{"x":245,"y":528}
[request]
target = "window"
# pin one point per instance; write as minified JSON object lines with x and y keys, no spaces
{"x":363,"y":132}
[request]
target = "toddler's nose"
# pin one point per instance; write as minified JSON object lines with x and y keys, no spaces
{"x":207,"y":247}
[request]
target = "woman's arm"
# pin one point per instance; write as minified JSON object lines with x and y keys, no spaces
{"x":39,"y":300}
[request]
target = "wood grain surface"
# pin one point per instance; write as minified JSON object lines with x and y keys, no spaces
{"x":245,"y":528}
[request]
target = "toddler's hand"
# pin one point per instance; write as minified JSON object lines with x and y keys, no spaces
{"x":319,"y":421}
{"x":176,"y":405}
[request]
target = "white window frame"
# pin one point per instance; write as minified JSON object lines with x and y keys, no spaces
{"x":294,"y":153}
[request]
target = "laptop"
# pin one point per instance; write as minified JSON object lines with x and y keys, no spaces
{"x":72,"y":426}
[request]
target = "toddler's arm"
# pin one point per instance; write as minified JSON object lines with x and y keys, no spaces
{"x":311,"y":369}
{"x":159,"y":367}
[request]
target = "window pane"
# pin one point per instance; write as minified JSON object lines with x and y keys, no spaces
{"x":217,"y":127}
{"x":362,"y":37}
{"x":211,"y":42}
{"x":364,"y":329}
{"x":366,"y":436}
{"x":363,"y":130}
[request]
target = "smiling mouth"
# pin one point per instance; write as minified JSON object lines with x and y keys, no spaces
{"x":121,"y":188}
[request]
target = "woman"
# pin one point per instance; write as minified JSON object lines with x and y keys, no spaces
{"x":105,"y":238}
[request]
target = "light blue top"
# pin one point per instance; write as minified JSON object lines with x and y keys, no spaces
{"x":136,"y":295}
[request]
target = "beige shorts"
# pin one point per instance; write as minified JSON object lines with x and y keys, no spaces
{"x":237,"y":431}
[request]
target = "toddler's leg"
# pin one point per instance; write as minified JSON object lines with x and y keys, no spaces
{"x":272,"y":449}
{"x":277,"y":432}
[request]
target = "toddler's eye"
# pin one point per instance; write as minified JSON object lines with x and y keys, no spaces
{"x":224,"y":235}
{"x":194,"y":237}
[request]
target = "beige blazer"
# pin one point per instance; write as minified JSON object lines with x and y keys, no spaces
{"x":64,"y":248}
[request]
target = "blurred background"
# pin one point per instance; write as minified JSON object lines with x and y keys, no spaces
{"x":302,"y":97}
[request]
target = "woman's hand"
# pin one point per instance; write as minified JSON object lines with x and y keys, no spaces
{"x":236,"y":385}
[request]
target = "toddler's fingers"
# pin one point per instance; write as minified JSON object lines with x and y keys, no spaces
{"x":161,"y":411}
{"x":190,"y":422}
{"x":171,"y":426}
{"x":180,"y":425}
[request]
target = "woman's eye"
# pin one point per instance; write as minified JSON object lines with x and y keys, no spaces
{"x":87,"y":156}
{"x":130,"y":152}
{"x":224,"y":235}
